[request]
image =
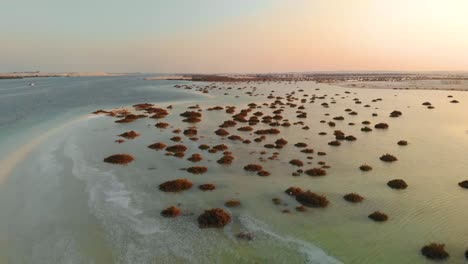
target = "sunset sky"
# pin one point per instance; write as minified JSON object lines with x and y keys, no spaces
{"x":233,"y":36}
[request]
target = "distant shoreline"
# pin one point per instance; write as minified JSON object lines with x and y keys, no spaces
{"x":23,"y":75}
{"x":395,"y":81}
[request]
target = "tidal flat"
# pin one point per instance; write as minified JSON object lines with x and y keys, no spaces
{"x":231,"y":153}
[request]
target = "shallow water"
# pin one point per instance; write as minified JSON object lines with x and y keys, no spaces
{"x":64,"y":205}
{"x":30,"y":110}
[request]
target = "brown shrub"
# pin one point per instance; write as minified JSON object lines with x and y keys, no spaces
{"x":195,"y":158}
{"x":463,"y":184}
{"x":311,"y":199}
{"x":263,"y":173}
{"x":253,"y":167}
{"x":157,"y":146}
{"x":216,"y":217}
{"x":179,"y":154}
{"x":300,"y":145}
{"x":175,"y":185}
{"x":129,"y":135}
{"x":378,"y":216}
{"x":204,"y":147}
{"x":293,"y":191}
{"x":189,"y":114}
{"x":402,"y":143}
{"x":226,"y":159}
{"x":119,"y":159}
{"x":246,"y":128}
{"x":353,"y":197}
{"x":296,"y":162}
{"x":395,"y":113}
{"x":308,"y":151}
{"x":316,"y":172}
{"x":100,"y":111}
{"x":435,"y":251}
{"x":388,"y":158}
{"x":271,"y":131}
{"x":221,"y":132}
{"x":334,"y":143}
{"x":235,"y":137}
{"x":381,"y":126}
{"x":161,"y":125}
{"x":142,"y":106}
{"x":228,"y":123}
{"x":197,"y":169}
{"x":365,"y":167}
{"x":176,"y":139}
{"x":190,"y":132}
{"x":206,"y":187}
{"x":221,"y":147}
{"x":170,"y":212}
{"x":176,"y":148}
{"x":281,"y":142}
{"x":397,"y":184}
{"x":192,"y":120}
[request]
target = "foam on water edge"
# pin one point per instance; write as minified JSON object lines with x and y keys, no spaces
{"x":136,"y":236}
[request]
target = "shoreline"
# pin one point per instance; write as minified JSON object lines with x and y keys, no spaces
{"x":9,"y":163}
{"x":24,"y":75}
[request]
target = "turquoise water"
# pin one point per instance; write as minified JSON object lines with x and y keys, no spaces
{"x":62,"y":204}
{"x":28,"y":110}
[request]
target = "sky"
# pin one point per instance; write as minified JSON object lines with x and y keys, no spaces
{"x":233,"y":36}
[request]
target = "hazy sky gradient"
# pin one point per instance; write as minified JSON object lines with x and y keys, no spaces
{"x":233,"y":36}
